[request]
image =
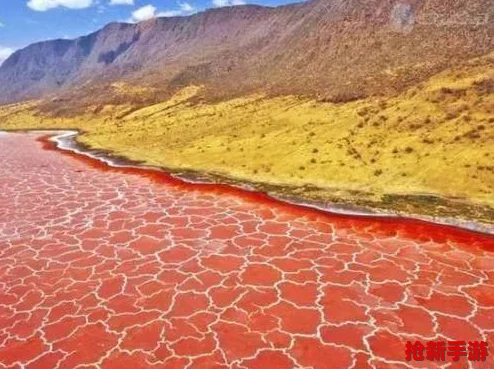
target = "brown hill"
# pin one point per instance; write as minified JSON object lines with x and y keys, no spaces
{"x":337,"y":50}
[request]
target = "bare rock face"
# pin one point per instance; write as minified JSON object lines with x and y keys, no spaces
{"x":402,"y":17}
{"x":336,"y":49}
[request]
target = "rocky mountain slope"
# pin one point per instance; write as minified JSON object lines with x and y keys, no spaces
{"x":337,"y":50}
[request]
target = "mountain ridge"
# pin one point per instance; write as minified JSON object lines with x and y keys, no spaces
{"x":336,"y":50}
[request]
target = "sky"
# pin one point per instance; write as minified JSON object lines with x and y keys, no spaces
{"x":23,"y":22}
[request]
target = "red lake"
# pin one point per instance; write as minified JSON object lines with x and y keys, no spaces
{"x":105,"y":267}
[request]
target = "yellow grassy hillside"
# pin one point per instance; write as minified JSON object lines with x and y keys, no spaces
{"x":435,"y":139}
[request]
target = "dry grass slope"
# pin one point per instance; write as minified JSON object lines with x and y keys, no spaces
{"x":435,"y":139}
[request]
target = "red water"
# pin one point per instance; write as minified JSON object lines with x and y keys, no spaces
{"x":107,"y":268}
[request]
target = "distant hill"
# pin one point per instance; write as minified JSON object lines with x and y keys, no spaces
{"x":336,"y":50}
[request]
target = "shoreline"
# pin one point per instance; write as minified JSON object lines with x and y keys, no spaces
{"x":65,"y":142}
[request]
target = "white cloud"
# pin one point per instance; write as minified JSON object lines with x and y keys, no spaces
{"x":121,"y":2}
{"x":169,"y":13}
{"x":186,"y":7}
{"x":144,"y":13}
{"x":2,"y":25}
{"x":222,"y":3}
{"x":44,"y":5}
{"x":149,"y":11}
{"x":5,"y":52}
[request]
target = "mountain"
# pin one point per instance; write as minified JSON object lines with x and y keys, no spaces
{"x":337,"y":50}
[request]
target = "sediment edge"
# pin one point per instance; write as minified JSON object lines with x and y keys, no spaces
{"x":65,"y":141}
